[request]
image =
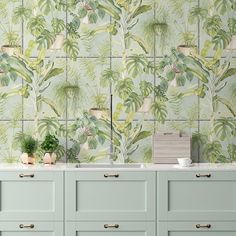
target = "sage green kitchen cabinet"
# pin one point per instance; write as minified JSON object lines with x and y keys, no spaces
{"x":31,"y":195}
{"x":190,"y":195}
{"x":110,"y":195}
{"x":31,"y":228}
{"x":110,"y":228}
{"x":196,"y":228}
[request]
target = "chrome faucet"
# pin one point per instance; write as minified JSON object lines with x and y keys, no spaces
{"x":111,"y":155}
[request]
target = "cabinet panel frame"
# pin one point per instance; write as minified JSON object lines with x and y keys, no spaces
{"x":56,"y":177}
{"x":57,"y":228}
{"x":73,"y":215}
{"x":163,"y":212}
{"x":73,"y":227}
{"x":164,"y":228}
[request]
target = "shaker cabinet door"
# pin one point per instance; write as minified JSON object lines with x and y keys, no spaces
{"x":110,"y":195}
{"x":196,"y":229}
{"x":110,"y":229}
{"x":189,"y":195}
{"x":31,"y":195}
{"x":31,"y":228}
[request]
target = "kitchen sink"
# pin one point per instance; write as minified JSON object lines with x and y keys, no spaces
{"x":112,"y":166}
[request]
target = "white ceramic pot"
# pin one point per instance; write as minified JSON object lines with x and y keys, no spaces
{"x":232,"y":44}
{"x":49,"y":158}
{"x":58,"y":43}
{"x":187,"y":50}
{"x":11,"y":50}
{"x":26,"y":159}
{"x":98,"y":113}
{"x":147,"y":104}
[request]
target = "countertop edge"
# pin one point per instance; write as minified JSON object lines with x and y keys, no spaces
{"x":148,"y":167}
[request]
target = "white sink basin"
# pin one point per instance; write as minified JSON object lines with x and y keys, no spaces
{"x":112,"y":166}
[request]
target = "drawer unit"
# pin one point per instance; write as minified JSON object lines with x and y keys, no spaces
{"x":186,"y":196}
{"x":31,"y":228}
{"x":196,"y":229}
{"x":31,"y":195}
{"x":110,"y":195}
{"x":110,"y":229}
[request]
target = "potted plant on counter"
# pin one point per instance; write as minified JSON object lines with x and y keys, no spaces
{"x":49,"y":146}
{"x":28,"y":147}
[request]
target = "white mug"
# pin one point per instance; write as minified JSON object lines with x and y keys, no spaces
{"x":184,"y":162}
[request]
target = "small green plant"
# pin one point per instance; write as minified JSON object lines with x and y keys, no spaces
{"x":11,"y":38}
{"x":188,"y":38}
{"x":29,"y":145}
{"x":100,"y":100}
{"x":50,"y":143}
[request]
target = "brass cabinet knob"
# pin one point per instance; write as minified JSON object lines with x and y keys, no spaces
{"x":115,"y":226}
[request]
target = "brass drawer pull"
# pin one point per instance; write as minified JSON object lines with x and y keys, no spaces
{"x":26,"y":175}
{"x":198,"y":226}
{"x":107,"y":226}
{"x":31,"y":226}
{"x":204,"y":176}
{"x":111,"y":175}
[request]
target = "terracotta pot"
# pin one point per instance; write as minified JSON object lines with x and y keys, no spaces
{"x":11,"y":50}
{"x":187,"y":50}
{"x":2,"y":73}
{"x":58,"y":43}
{"x":87,"y":7}
{"x":49,"y":158}
{"x":147,"y":104}
{"x":27,"y":159}
{"x":232,"y":44}
{"x":98,"y":113}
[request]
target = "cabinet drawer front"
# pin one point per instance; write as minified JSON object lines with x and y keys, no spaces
{"x":190,"y":229}
{"x":197,"y":196}
{"x":98,"y":229}
{"x":128,"y":196}
{"x":31,"y":196}
{"x":25,"y":229}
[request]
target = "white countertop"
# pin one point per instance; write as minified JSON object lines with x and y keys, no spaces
{"x":147,"y":167}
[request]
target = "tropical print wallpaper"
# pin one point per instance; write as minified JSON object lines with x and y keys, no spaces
{"x":66,"y":66}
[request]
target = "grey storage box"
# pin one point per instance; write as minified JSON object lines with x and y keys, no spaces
{"x":167,"y":147}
